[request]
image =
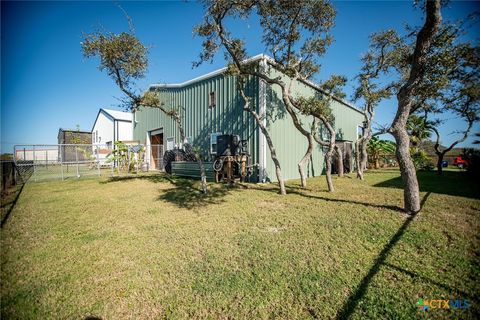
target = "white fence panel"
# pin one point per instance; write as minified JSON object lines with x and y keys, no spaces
{"x":67,"y":161}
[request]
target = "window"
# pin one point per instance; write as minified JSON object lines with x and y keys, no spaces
{"x":109,"y":145}
{"x":211,"y":103}
{"x":360,"y":131}
{"x":96,"y":136}
{"x":213,"y":142}
{"x":170,"y":144}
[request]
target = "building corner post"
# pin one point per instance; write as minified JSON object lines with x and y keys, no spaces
{"x":262,"y":144}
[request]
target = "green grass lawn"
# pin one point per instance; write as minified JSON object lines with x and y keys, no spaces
{"x":150,"y":247}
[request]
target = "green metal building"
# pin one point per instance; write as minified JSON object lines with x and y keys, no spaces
{"x":211,"y":104}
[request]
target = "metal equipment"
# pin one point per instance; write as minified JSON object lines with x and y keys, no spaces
{"x":232,"y":160}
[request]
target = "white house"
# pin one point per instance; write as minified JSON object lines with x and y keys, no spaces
{"x":110,"y":126}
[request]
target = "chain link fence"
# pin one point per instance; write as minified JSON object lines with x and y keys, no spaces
{"x":69,"y":161}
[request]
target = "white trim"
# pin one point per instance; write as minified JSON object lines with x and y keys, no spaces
{"x":262,"y":143}
{"x":157,"y":131}
{"x":205,"y":76}
{"x":148,"y":147}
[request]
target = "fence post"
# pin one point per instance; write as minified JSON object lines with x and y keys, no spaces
{"x":128,"y":160}
{"x":147,"y":156}
{"x":76,"y":160}
{"x":61,"y":159}
{"x":46,"y":158}
{"x":112,"y":163}
{"x":98,"y":160}
{"x":137,"y":160}
{"x":14,"y":172}
{"x":34,"y":171}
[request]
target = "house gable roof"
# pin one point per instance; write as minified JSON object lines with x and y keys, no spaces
{"x":114,"y":115}
{"x":118,"y":115}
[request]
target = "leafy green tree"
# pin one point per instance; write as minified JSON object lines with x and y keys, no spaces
{"x":451,"y":84}
{"x":296,"y":33}
{"x":413,"y":66}
{"x":461,"y":92}
{"x":406,"y":98}
{"x":379,"y":58}
{"x":124,"y":58}
{"x":319,"y":107}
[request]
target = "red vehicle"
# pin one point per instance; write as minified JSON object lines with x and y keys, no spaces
{"x":460,"y":162}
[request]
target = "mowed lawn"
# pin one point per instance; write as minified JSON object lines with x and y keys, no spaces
{"x":153,"y":247}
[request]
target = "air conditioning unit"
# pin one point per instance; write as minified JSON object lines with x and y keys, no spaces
{"x":213,"y":142}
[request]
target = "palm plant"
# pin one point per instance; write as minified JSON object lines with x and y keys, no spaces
{"x":418,"y":129}
{"x":378,"y":149}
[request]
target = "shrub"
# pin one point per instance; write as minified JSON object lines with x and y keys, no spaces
{"x":472,"y":156}
{"x":421,"y":160}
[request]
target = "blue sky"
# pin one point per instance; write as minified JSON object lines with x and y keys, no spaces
{"x":47,"y":84}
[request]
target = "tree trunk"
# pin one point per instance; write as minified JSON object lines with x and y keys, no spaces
{"x":340,"y":168}
{"x":440,"y":156}
{"x":364,"y":154}
{"x":411,"y":194}
{"x":287,"y":101}
{"x":405,"y":96}
{"x":329,"y":154}
{"x":304,"y":162}
{"x":278,"y":169}
{"x":178,"y":120}
{"x":358,"y":161}
{"x":189,"y":149}
{"x":203,"y":176}
{"x":331,"y":149}
{"x":441,"y":153}
{"x":328,"y":168}
{"x":273,"y":153}
{"x":263,"y":128}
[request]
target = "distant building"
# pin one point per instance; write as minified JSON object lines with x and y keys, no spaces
{"x":43,"y":154}
{"x":110,"y":126}
{"x":68,"y":138}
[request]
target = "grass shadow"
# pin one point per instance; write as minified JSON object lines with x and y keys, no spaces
{"x":11,"y":205}
{"x":354,"y":299}
{"x":155,"y":178}
{"x":454,"y":183}
{"x":297,"y":191}
{"x":187,"y":194}
{"x":436,"y":283}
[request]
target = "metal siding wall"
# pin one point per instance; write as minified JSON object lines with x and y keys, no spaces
{"x":199,"y":120}
{"x":290,"y":144}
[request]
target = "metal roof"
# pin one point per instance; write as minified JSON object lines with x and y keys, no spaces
{"x":73,"y":130}
{"x":118,"y":115}
{"x":257,"y":57}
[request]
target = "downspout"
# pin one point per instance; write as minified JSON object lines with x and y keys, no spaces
{"x":262,"y":143}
